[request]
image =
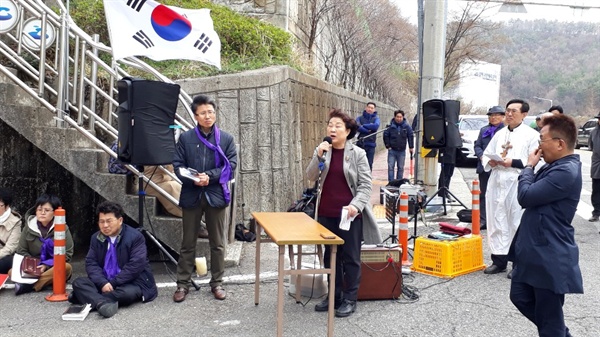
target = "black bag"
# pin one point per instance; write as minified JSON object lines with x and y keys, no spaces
{"x":305,"y":204}
{"x":465,"y":215}
{"x":243,"y":234}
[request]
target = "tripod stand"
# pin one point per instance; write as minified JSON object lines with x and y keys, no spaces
{"x":159,"y":244}
{"x":443,"y":191}
{"x":391,"y":205}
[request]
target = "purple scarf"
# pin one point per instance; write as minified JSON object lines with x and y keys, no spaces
{"x":220,"y":159}
{"x":489,"y":132}
{"x":111,"y":266}
{"x":47,"y":251}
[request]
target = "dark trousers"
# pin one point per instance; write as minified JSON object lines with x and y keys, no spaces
{"x":6,"y":264}
{"x":215,"y":224}
{"x":596,"y":196}
{"x":347,"y":269}
{"x":445,"y":177}
{"x":370,"y":155}
{"x":500,"y":260}
{"x":542,"y":307}
{"x":85,"y":291}
{"x":483,"y":182}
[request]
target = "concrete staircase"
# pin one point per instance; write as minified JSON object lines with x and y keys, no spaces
{"x":77,"y":154}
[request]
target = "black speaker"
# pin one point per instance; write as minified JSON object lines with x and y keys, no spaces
{"x":434,"y":124}
{"x":451,"y":112}
{"x":146,"y":117}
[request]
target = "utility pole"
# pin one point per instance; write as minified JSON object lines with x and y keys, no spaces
{"x":432,"y":79}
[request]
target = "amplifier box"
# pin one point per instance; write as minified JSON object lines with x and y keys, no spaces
{"x":372,"y":253}
{"x":380,"y":280}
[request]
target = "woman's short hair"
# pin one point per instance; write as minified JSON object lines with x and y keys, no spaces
{"x":6,"y":196}
{"x":51,"y":199}
{"x":349,"y":122}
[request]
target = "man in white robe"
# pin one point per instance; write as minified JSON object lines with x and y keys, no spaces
{"x":506,"y":155}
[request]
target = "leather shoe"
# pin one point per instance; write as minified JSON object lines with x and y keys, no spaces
{"x":493,"y":269}
{"x":219,"y":292}
{"x":203,"y":234}
{"x":594,"y":218}
{"x":324,"y":304}
{"x":180,"y":294}
{"x":346,"y":309}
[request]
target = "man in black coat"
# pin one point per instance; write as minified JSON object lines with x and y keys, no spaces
{"x":495,"y":118}
{"x":117,"y":266}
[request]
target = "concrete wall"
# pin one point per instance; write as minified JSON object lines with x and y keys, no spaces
{"x":278,"y":116}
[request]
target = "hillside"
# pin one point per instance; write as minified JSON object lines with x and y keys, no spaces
{"x":553,"y":60}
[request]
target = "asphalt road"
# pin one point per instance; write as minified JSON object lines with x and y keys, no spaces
{"x":470,"y":305}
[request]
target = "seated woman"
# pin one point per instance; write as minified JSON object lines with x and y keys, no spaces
{"x":10,"y":231}
{"x":37,"y":240}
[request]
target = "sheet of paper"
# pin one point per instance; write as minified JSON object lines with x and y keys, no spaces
{"x":494,"y":156}
{"x":15,"y":276}
{"x":345,"y":221}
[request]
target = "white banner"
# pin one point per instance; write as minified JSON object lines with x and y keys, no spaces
{"x":148,"y":28}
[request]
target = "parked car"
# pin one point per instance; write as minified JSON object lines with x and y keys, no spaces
{"x":583,"y":134}
{"x":469,"y":126}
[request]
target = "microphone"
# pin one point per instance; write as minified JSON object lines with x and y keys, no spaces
{"x":328,"y":140}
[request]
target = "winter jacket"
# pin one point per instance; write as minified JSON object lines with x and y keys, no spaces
{"x":10,"y":232}
{"x":368,"y":124}
{"x":132,"y":259}
{"x":396,"y":136}
{"x":30,"y":244}
{"x":192,"y":153}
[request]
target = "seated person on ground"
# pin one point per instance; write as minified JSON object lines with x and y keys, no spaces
{"x":117,"y":266}
{"x":10,"y":230}
{"x":37,"y":240}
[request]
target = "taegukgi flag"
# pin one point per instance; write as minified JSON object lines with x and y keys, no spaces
{"x":148,"y":28}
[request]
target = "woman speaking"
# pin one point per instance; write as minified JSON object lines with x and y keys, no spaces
{"x":345,"y":184}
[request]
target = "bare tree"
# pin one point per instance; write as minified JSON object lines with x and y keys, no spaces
{"x":469,"y":37}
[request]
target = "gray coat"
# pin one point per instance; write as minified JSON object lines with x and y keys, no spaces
{"x":595,"y":147}
{"x":358,"y":177}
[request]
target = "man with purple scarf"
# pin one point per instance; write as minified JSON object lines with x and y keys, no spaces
{"x":117,"y":266}
{"x":211,"y":152}
{"x":495,"y":117}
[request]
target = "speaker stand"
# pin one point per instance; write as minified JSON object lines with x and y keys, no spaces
{"x":159,"y":244}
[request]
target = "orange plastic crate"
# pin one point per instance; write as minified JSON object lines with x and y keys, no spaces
{"x":448,"y":258}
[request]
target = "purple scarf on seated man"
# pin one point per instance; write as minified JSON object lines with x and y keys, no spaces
{"x":111,"y":265}
{"x":220,"y":159}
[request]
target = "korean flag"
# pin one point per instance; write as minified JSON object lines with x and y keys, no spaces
{"x":148,"y":28}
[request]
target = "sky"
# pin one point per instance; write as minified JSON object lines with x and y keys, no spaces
{"x":409,"y":9}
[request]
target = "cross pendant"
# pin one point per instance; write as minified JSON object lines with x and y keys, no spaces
{"x":506,"y":147}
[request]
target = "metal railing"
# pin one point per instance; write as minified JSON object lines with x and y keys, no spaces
{"x":69,"y":74}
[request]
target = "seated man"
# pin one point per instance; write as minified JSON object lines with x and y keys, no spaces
{"x":116,"y":264}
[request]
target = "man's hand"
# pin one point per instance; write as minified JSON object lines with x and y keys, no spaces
{"x":107,"y":288}
{"x":534,"y":157}
{"x":203,"y":179}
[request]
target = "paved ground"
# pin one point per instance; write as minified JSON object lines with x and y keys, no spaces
{"x":471,"y":305}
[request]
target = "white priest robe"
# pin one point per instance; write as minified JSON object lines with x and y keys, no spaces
{"x":502,"y":208}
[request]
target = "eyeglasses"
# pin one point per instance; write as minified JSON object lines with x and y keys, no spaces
{"x":107,"y":221}
{"x":44,"y":210}
{"x":540,"y":141}
{"x":512,"y":111}
{"x":204,"y":113}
